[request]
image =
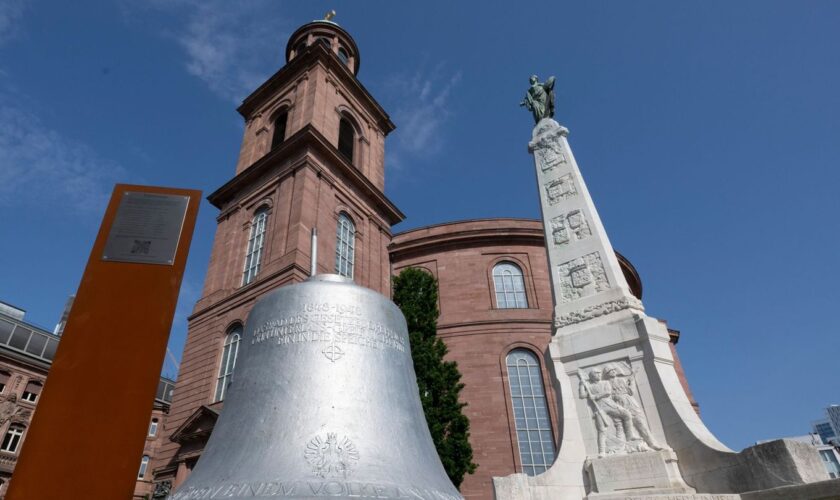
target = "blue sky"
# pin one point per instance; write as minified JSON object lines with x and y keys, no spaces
{"x":707,"y":133}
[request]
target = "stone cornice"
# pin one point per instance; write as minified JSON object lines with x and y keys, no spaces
{"x":7,"y":461}
{"x":306,"y":138}
{"x":597,"y":310}
{"x":244,"y":293}
{"x":463,"y":328}
{"x":472,"y":232}
{"x":184,"y":432}
{"x":313,"y":54}
{"x":480,"y":232}
{"x":28,"y":361}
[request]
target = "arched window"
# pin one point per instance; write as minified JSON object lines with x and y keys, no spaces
{"x":255,"y":246}
{"x":510,"y":286}
{"x":12,"y":439}
{"x":345,"y":244}
{"x":279,"y":134}
{"x":153,"y":427}
{"x":144,"y":464}
{"x":530,"y":411}
{"x":229,"y":353}
{"x":346,"y":138}
{"x":343,"y":55}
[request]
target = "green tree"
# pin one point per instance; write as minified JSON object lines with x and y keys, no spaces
{"x":439,"y":381}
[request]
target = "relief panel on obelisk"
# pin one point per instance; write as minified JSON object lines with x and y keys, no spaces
{"x":568,"y":227}
{"x":582,"y":277}
{"x":560,"y":189}
{"x":549,"y":155}
{"x":619,"y":420}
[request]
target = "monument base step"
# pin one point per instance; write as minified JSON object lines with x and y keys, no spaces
{"x":649,"y":472}
{"x":654,"y":495}
{"x":821,"y":490}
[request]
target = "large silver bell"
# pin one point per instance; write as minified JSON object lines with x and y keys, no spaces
{"x":323,"y":403}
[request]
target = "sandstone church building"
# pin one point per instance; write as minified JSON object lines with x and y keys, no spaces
{"x":312,"y":157}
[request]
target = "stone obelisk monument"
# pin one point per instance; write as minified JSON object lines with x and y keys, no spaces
{"x":628,"y":428}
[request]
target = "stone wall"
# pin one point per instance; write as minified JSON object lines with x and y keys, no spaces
{"x":461,"y":255}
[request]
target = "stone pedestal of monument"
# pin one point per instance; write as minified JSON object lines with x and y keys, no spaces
{"x":650,"y":470}
{"x":628,"y":428}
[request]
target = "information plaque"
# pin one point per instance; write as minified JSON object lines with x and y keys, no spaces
{"x":146,"y":229}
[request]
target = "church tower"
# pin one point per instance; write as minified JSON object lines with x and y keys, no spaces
{"x":312,"y":157}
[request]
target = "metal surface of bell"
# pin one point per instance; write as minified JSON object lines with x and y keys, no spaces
{"x":324,"y":403}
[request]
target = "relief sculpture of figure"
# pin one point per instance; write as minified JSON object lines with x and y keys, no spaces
{"x":624,"y":395}
{"x":606,"y":411}
{"x":8,"y":409}
{"x":539,"y":99}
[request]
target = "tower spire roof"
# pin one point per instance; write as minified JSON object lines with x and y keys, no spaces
{"x":328,"y":33}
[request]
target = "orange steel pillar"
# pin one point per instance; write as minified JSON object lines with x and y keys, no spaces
{"x":86,"y":437}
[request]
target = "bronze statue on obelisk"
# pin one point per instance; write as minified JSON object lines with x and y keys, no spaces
{"x":539,"y":99}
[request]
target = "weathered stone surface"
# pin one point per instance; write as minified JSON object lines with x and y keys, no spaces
{"x":779,"y":463}
{"x":652,"y":470}
{"x":653,"y":495}
{"x":822,"y":490}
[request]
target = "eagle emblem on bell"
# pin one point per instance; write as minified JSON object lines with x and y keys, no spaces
{"x":331,"y":457}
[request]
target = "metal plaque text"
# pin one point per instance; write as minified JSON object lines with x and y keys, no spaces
{"x":146,"y":229}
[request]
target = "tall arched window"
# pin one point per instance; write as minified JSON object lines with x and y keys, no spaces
{"x":510,"y":286}
{"x":228,"y":363}
{"x":255,"y":246}
{"x":530,"y":411}
{"x":279,"y":134}
{"x":345,"y":243}
{"x":343,"y":55}
{"x":144,"y":464}
{"x":346,"y":137}
{"x":153,"y":427}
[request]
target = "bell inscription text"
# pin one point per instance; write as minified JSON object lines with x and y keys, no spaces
{"x":328,"y":323}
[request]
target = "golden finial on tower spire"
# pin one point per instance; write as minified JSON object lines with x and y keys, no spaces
{"x":329,"y":15}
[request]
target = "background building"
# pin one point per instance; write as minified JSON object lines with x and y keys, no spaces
{"x":145,"y":486}
{"x":62,"y":321}
{"x":26,"y":354}
{"x":312,"y":157}
{"x":828,"y":428}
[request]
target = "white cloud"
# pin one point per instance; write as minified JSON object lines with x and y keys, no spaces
{"x":231,"y":46}
{"x":39,"y":166}
{"x":421,"y":109}
{"x":10,"y":13}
